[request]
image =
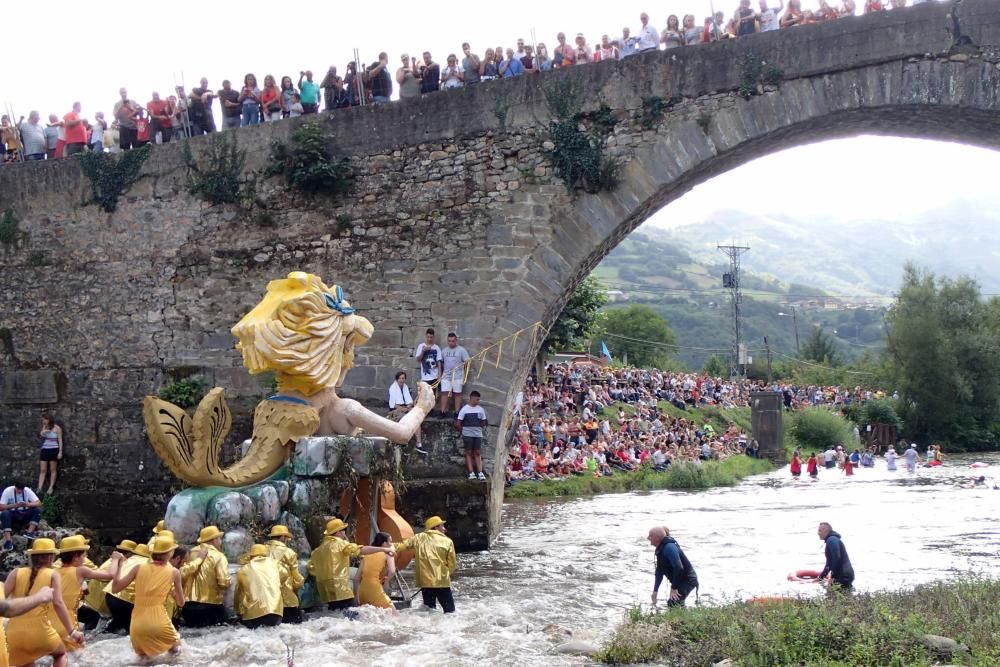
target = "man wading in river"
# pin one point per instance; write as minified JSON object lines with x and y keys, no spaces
{"x":672,"y":564}
{"x":838,"y":564}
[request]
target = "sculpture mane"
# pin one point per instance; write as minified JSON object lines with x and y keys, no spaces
{"x":305,"y":332}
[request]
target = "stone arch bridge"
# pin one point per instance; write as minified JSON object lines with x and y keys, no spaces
{"x":456,"y":219}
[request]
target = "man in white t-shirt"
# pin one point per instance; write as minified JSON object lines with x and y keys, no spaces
{"x":471,"y":420}
{"x":428,"y":355}
{"x":768,"y":16}
{"x":453,"y":360}
{"x":19,"y":506}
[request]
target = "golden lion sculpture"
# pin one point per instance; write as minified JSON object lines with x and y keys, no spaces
{"x":306,"y":333}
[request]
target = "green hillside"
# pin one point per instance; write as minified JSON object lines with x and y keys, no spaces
{"x":689,"y":295}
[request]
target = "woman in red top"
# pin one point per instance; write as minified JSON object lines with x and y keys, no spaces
{"x":796,"y":465}
{"x":812,"y":467}
{"x":271,"y":100}
{"x":872,"y":6}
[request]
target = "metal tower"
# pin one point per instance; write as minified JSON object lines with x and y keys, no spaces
{"x":731,"y":281}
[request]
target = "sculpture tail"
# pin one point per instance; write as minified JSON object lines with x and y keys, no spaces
{"x":190,"y":447}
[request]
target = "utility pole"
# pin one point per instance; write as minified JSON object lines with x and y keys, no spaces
{"x":731,"y":281}
{"x":768,"y":348}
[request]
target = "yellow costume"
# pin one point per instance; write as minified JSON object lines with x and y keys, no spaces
{"x":95,"y":593}
{"x":70,"y":589}
{"x":3,"y":640}
{"x":140,"y":557}
{"x":372,"y":571}
{"x":32,"y":635}
{"x":330,"y":565}
{"x":259,"y":585}
{"x":435,"y":558}
{"x":151,"y":632}
{"x":211,"y":578}
{"x":289,"y":561}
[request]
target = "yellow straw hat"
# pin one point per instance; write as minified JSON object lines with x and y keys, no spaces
{"x":73,"y":543}
{"x":209,"y":533}
{"x":257,"y":550}
{"x":166,"y":533}
{"x":141,"y":550}
{"x":126,"y":545}
{"x":163,"y":544}
{"x":334,"y":526}
{"x":43,"y":546}
{"x":433,"y":522}
{"x":280,"y":531}
{"x":158,"y":527}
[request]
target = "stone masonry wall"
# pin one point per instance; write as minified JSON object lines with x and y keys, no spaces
{"x":455,"y":220}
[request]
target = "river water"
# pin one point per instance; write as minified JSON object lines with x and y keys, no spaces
{"x":578,"y":564}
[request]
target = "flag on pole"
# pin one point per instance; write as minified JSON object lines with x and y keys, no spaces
{"x":604,"y":350}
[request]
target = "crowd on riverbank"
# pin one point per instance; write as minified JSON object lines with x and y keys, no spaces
{"x":600,"y":421}
{"x":190,"y":113}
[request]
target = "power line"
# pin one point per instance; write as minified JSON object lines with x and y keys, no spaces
{"x":827,"y":368}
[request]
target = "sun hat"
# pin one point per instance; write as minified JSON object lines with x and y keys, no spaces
{"x":433,"y":522}
{"x":334,"y":526}
{"x":158,"y":527}
{"x":163,"y":544}
{"x":279,"y":531}
{"x":141,"y":550}
{"x":126,"y":545}
{"x":73,"y":543}
{"x":43,"y":546}
{"x":209,"y":533}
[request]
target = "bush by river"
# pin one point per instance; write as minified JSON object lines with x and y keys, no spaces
{"x":945,"y":622}
{"x":681,"y":476}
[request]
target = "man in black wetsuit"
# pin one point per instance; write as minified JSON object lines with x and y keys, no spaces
{"x":672,"y":564}
{"x":838,"y":564}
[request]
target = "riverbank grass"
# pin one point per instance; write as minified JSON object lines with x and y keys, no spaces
{"x":886,"y":628}
{"x":681,"y":476}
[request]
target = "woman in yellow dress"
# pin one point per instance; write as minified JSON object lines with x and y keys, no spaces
{"x":72,"y":574}
{"x":375,"y":570}
{"x":32,"y":635}
{"x":151,"y":631}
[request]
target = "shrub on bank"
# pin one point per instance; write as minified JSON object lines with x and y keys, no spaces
{"x":872,"y":629}
{"x":681,"y":476}
{"x":815,"y":429}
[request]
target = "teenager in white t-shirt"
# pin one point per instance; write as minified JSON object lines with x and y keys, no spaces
{"x":453,"y":360}
{"x":428,"y":355}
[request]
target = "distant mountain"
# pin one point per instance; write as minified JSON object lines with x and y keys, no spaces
{"x":857,"y":257}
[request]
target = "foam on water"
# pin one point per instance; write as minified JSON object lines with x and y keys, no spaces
{"x":578,"y":564}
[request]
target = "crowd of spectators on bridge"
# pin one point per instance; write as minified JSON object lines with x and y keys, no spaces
{"x":252,"y":101}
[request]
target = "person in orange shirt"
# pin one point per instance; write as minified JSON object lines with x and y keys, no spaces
{"x":76,"y":131}
{"x":161,"y":114}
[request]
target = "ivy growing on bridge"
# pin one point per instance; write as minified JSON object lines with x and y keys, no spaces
{"x":754,"y":71}
{"x":221,"y":180}
{"x":9,"y":232}
{"x":308,"y":162}
{"x":578,"y":157}
{"x":111,"y":175}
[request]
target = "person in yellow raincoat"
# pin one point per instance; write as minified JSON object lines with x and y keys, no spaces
{"x":156,"y":531}
{"x":94,"y":606}
{"x":72,"y":575}
{"x":330,"y":565}
{"x":259,"y":582}
{"x":121,"y":602}
{"x":434,"y":553}
{"x":279,"y":550}
{"x":375,"y":570}
{"x":16,"y":607}
{"x":32,"y":635}
{"x":209,"y":581}
{"x":152,"y":632}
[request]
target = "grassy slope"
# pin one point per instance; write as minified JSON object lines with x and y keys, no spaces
{"x":870,"y":629}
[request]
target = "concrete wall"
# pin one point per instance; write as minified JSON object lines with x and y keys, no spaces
{"x":455,"y":220}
